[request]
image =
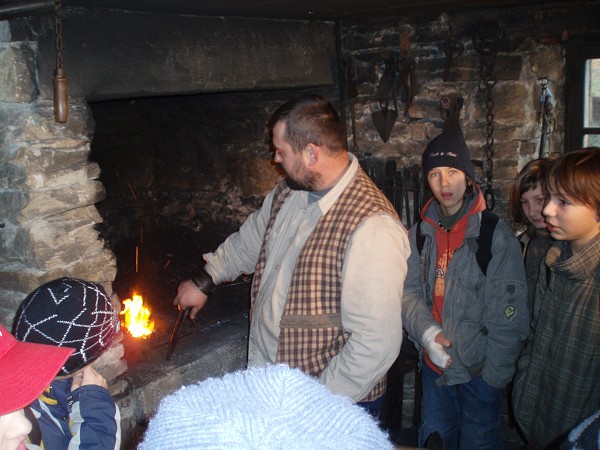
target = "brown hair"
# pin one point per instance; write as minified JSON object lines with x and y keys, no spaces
{"x":309,"y":119}
{"x":533,"y":174}
{"x":577,"y":174}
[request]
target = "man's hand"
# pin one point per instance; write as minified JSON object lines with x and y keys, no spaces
{"x":188,"y":295}
{"x":86,"y":376}
{"x":435,"y":343}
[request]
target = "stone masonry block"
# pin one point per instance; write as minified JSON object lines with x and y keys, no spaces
{"x":51,"y":158}
{"x":17,"y":73}
{"x":35,"y":123}
{"x":53,"y":201}
{"x":514,"y":104}
{"x":64,"y":237}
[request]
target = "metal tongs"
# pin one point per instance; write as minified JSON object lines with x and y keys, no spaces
{"x":181,"y":316}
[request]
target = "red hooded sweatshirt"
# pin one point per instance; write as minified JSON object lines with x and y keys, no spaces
{"x":447,"y":242}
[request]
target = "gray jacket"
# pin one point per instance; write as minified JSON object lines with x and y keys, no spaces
{"x":486,"y":318}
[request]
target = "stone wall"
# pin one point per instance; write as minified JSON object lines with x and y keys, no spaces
{"x":532,"y":47}
{"x":48,"y":189}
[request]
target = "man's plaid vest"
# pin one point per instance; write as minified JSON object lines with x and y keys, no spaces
{"x":311,"y":332}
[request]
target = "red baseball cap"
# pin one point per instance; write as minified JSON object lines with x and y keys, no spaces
{"x":26,"y":369}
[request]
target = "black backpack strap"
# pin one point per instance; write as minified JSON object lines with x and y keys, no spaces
{"x":489,"y":221}
{"x":484,"y":241}
{"x":420,"y":237}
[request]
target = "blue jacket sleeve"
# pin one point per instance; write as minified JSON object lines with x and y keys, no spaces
{"x":416,"y":314}
{"x":507,"y":314}
{"x":94,"y":420}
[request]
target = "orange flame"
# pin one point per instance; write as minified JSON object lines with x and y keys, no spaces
{"x":137,"y":317}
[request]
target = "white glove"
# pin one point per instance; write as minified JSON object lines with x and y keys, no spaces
{"x":436,"y":352}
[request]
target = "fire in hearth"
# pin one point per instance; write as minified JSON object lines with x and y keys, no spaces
{"x":137,"y":317}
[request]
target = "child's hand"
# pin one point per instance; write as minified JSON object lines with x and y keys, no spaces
{"x":86,"y":376}
{"x":436,"y":343}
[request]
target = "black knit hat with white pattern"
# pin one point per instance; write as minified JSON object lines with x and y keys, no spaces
{"x":68,"y":312}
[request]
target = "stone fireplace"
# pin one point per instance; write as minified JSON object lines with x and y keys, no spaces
{"x":164,"y":152}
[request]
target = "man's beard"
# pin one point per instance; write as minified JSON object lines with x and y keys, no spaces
{"x":308,"y":184}
{"x":296,"y":185}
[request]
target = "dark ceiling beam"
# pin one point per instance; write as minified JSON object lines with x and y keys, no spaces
{"x":23,"y":8}
{"x":323,"y":10}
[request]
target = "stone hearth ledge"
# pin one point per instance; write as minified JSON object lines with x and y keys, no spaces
{"x":205,"y":353}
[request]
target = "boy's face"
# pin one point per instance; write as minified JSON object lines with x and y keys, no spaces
{"x":569,"y":220}
{"x":448,"y":186}
{"x":14,"y":428}
{"x":533,"y":202}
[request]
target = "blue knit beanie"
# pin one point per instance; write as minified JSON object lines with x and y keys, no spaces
{"x":261,"y":408}
{"x":449,"y":149}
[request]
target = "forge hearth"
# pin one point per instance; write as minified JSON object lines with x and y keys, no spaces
{"x":180,"y":174}
{"x":205,"y":353}
{"x":210,"y":346}
{"x":228,"y":301}
{"x":153,"y":268}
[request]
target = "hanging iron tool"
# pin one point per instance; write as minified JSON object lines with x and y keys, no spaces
{"x":487,"y":40}
{"x":349,"y":72}
{"x":406,"y":69}
{"x":181,"y":316}
{"x":453,"y":48}
{"x":450,"y":106}
{"x":546,"y":115}
{"x":387,"y":89}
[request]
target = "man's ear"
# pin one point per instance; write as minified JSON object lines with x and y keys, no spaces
{"x":312,"y":154}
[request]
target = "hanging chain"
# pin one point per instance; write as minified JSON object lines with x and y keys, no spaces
{"x":58,"y":32}
{"x":61,"y":113}
{"x":487,"y":41}
{"x":486,"y":85}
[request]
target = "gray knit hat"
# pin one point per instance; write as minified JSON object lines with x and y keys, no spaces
{"x":448,"y":149}
{"x":67,"y":312}
{"x":262,"y":408}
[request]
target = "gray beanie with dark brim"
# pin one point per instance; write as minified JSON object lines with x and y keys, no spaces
{"x":448,"y":149}
{"x":262,"y":408}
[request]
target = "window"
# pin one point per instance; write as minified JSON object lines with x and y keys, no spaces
{"x":583,"y":95}
{"x":591,"y":103}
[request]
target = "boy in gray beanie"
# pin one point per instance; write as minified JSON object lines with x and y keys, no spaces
{"x":468,"y":318}
{"x":76,"y":411}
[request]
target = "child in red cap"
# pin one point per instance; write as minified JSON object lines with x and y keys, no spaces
{"x":23,"y":379}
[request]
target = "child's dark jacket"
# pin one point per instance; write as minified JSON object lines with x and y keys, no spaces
{"x":84,"y":419}
{"x":486,"y":318}
{"x":558,"y":380}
